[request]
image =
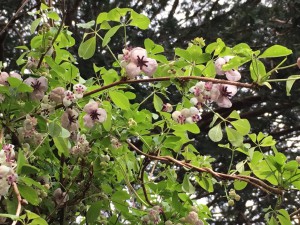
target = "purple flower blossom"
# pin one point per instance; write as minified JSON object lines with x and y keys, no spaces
{"x":225,"y":93}
{"x":39,"y":86}
{"x":94,"y":114}
{"x":69,"y":120}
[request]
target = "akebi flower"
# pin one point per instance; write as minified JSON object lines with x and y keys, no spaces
{"x":69,"y":120}
{"x":139,"y":62}
{"x":298,"y":62}
{"x":79,"y":89}
{"x":218,"y":66}
{"x":233,"y":75}
{"x":226,"y":92}
{"x":3,"y":78}
{"x":57,"y":95}
{"x":137,"y":55}
{"x":39,"y":86}
{"x":94,"y":114}
{"x":69,"y":98}
{"x":15,"y":75}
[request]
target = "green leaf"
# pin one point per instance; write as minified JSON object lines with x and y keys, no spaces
{"x":290,"y":82}
{"x":93,"y":212}
{"x":54,"y":129}
{"x":86,"y":25}
{"x":34,"y":25}
{"x":275,"y":51}
{"x":10,"y":216}
{"x":215,"y":134}
{"x":257,"y":71}
{"x":234,"y":137}
{"x":284,"y":217}
{"x":157,"y":102}
{"x":209,"y":70}
{"x":87,"y":48}
{"x":268,"y":141}
{"x":205,"y":183}
{"x":101,"y":17}
{"x":239,"y":185}
{"x":57,"y":68}
{"x":21,"y":161}
{"x":62,"y":145}
{"x":120,"y":99}
{"x":242,"y":126}
{"x":111,"y":32}
{"x":187,"y":185}
{"x":183,"y":53}
{"x":139,"y":20}
{"x":54,"y":16}
{"x":29,"y":169}
{"x":29,"y":194}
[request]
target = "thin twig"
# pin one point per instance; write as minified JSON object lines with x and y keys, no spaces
{"x":251,"y":180}
{"x":20,"y":201}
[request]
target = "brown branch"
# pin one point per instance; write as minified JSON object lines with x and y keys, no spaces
{"x":150,"y":80}
{"x":251,"y":180}
{"x":20,"y":201}
{"x":12,"y":19}
{"x":297,"y":212}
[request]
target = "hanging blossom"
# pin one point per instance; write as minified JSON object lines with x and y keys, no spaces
{"x":39,"y":86}
{"x":4,"y":76}
{"x":136,"y":61}
{"x":28,"y":131}
{"x":82,"y":146}
{"x":191,"y":115}
{"x":232,"y":74}
{"x":57,"y":95}
{"x":78,"y":90}
{"x":69,"y":120}
{"x":7,"y":166}
{"x":207,"y":92}
{"x":94,"y":114}
{"x":69,"y":98}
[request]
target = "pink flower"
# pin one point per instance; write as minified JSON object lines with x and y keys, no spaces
{"x":298,"y":62}
{"x":225,"y":93}
{"x":218,"y":66}
{"x":57,"y":95}
{"x":69,"y":98}
{"x":233,"y":75}
{"x":69,"y":120}
{"x":39,"y":85}
{"x":140,"y":63}
{"x":94,"y":114}
{"x":15,"y":75}
{"x":150,"y":67}
{"x":79,"y":89}
{"x":137,"y":55}
{"x":3,"y":78}
{"x":132,"y":70}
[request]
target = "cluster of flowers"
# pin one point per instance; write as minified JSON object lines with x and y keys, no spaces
{"x":191,"y":218}
{"x":135,"y":61}
{"x":185,"y":115}
{"x":7,"y":168}
{"x":153,"y":216}
{"x":233,"y":197}
{"x":28,"y":132}
{"x":81,"y":147}
{"x":207,"y":92}
{"x":232,"y":74}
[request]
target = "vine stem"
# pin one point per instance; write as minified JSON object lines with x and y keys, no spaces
{"x":251,"y":180}
{"x":20,"y":201}
{"x":155,"y":79}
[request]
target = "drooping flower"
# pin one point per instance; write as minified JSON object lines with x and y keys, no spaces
{"x":226,"y":92}
{"x":94,"y":114}
{"x":233,"y":75}
{"x":69,"y":98}
{"x":39,"y":86}
{"x":3,"y":78}
{"x":218,"y":66}
{"x":57,"y":95}
{"x":79,"y":89}
{"x":137,"y":55}
{"x":298,"y":62}
{"x":69,"y":120}
{"x":139,"y":62}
